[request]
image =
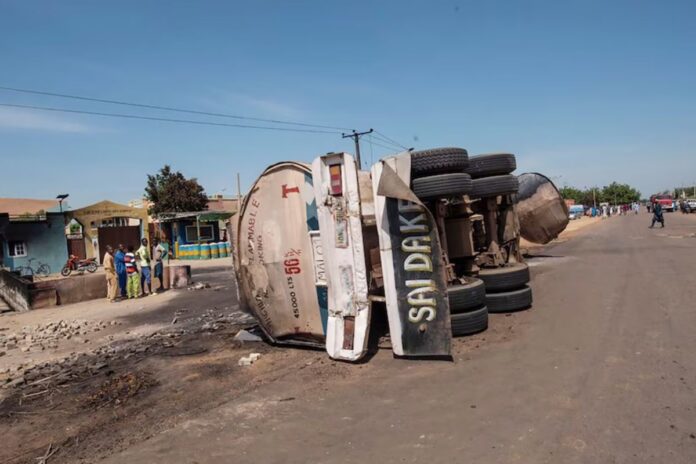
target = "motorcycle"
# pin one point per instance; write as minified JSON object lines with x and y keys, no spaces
{"x":79,"y":265}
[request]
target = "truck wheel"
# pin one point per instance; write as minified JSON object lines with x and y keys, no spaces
{"x":467,"y":296}
{"x":437,"y":161}
{"x":494,"y":164}
{"x":506,"y":302}
{"x":494,"y":186}
{"x":442,"y":185}
{"x":502,"y":279}
{"x":470,"y":323}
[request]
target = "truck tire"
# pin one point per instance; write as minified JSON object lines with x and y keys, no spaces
{"x":467,"y":296}
{"x":505,"y":302}
{"x":438,"y":161}
{"x":469,"y":323}
{"x":502,"y":279}
{"x":442,"y":185}
{"x":493,"y":164}
{"x":494,"y":186}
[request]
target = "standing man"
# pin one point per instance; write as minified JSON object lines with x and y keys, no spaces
{"x":160,"y":253}
{"x":110,"y":270}
{"x":119,"y":260}
{"x":133,"y":276}
{"x":657,"y":215}
{"x":143,"y":255}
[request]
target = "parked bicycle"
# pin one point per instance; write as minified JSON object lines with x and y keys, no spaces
{"x":41,"y":270}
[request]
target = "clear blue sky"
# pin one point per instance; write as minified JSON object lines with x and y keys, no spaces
{"x":585,"y":92}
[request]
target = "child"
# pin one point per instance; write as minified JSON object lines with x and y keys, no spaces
{"x":133,"y":286}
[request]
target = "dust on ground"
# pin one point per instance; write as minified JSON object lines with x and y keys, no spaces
{"x":146,"y":369}
{"x":96,"y":407}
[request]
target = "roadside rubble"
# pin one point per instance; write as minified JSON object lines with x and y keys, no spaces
{"x":88,"y":363}
{"x":47,"y":336}
{"x":199,"y":286}
{"x":249,"y":360}
{"x":246,"y":336}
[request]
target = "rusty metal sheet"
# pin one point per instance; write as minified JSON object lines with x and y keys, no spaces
{"x":542,"y":213}
{"x":274,"y":260}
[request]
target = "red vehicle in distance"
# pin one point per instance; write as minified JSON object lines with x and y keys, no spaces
{"x":666,"y":200}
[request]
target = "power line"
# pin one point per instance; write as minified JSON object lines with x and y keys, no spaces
{"x":167,"y":108}
{"x":381,"y":140}
{"x":383,"y":146}
{"x":182,"y":121}
{"x":390,"y":140}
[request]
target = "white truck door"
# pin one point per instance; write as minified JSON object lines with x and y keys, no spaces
{"x":339,"y":213}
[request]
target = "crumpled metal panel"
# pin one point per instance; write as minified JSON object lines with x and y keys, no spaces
{"x":415,"y":286}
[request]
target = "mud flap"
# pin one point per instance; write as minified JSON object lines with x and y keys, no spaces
{"x":340,"y":221}
{"x":414,"y":276}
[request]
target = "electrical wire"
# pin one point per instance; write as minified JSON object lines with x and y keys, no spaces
{"x":394,"y":147}
{"x":382,"y":140}
{"x":181,"y":121}
{"x":167,"y":108}
{"x":383,"y":146}
{"x":394,"y":142}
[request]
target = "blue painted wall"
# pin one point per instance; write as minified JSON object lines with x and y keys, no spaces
{"x":181,"y":235}
{"x":45,"y":242}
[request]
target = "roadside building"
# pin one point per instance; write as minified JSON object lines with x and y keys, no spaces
{"x":199,"y":228}
{"x":221,"y":204}
{"x":32,"y":232}
{"x":94,"y":227}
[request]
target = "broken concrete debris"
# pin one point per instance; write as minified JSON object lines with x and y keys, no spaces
{"x":246,"y":336}
{"x":199,"y":286}
{"x":249,"y":360}
{"x":91,"y":362}
{"x":42,"y":336}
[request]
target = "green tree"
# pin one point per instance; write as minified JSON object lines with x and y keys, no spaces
{"x":616,"y":193}
{"x":170,"y":191}
{"x":572,"y":193}
{"x":581,"y":197}
{"x":686,"y":192}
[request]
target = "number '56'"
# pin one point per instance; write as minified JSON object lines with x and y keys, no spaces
{"x":292,"y":266}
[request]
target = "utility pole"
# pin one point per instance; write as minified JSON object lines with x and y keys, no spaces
{"x":356,"y":138}
{"x":239,"y":194}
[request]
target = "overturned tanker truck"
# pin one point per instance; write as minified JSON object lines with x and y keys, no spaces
{"x":428,"y":240}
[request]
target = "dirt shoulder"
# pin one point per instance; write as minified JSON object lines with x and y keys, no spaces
{"x":103,"y":401}
{"x":574,"y":228}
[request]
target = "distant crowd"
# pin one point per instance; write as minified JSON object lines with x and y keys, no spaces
{"x":607,"y":210}
{"x":130,"y":270}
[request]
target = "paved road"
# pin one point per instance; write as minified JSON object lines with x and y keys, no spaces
{"x":601,"y":370}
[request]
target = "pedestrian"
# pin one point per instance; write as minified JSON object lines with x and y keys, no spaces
{"x":143,"y":255}
{"x":133,"y":286}
{"x":110,"y":271}
{"x":657,"y":215}
{"x":159,"y":254}
{"x":119,"y":260}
